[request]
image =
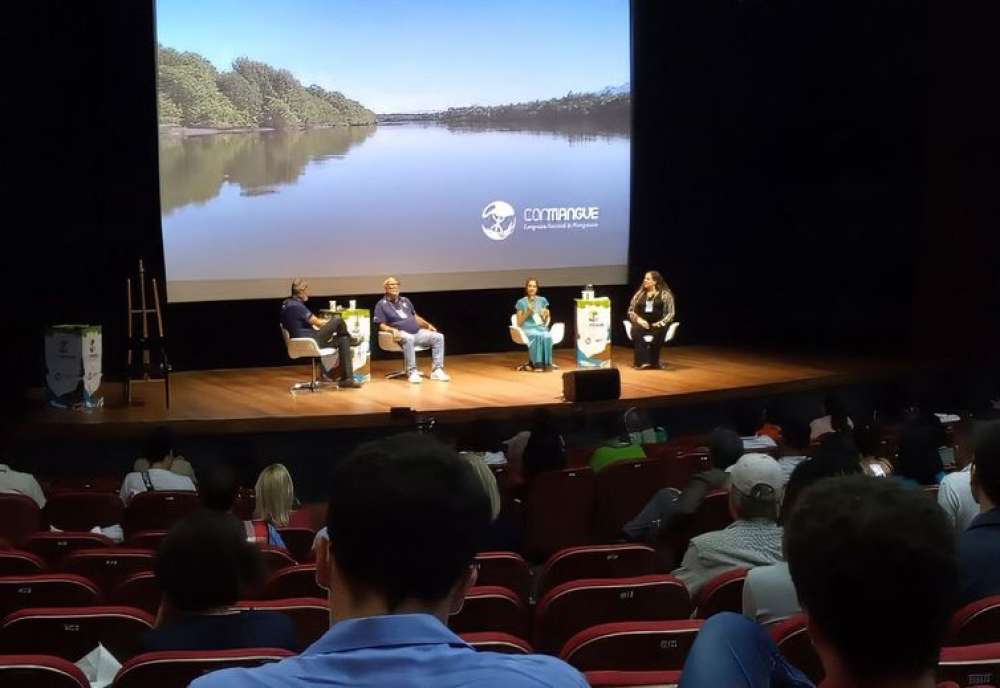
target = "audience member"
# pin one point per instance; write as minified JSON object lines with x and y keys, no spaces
{"x":724,"y":449}
{"x":979,"y":544}
{"x":218,"y":488}
{"x":159,"y":477}
{"x":275,"y":497}
{"x":202,"y":566}
{"x":917,"y":458}
{"x":956,"y":498}
{"x":754,"y":537}
{"x":16,"y":482}
{"x":545,"y":449}
{"x":868,"y":439}
{"x":394,"y":581}
{"x":874,"y":566}
{"x":835,"y":420}
{"x":794,"y":445}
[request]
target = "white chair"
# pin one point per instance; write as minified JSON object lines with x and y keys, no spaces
{"x":387,"y":343}
{"x":671,"y":331}
{"x":306,"y":347}
{"x":518,"y":336}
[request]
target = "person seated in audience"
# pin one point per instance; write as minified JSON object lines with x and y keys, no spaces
{"x":159,"y":477}
{"x":768,"y":592}
{"x":394,"y":581}
{"x":918,"y":460}
{"x":621,"y":448}
{"x":956,"y":498}
{"x":874,"y":566}
{"x":753,"y":539}
{"x":545,"y":449}
{"x":16,"y":482}
{"x":979,"y":544}
{"x":275,"y":497}
{"x":868,"y":439}
{"x":218,"y":488}
{"x":202,"y":566}
{"x":835,"y":420}
{"x":725,"y":448}
{"x":795,"y":439}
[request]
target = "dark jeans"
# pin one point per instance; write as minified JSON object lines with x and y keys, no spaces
{"x":647,"y":352}
{"x":334,"y":333}
{"x":733,"y":652}
{"x":655,"y":515}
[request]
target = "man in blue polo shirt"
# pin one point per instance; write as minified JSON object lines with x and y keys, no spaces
{"x":299,"y":321}
{"x":406,"y":517}
{"x":395,"y":314}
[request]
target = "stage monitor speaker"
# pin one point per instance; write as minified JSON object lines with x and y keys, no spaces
{"x":597,"y":384}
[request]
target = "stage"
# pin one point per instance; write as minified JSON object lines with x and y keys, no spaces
{"x":483,"y":385}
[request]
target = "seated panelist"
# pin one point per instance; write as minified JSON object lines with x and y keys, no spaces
{"x":330,"y":332}
{"x":395,"y":314}
{"x":534,"y":318}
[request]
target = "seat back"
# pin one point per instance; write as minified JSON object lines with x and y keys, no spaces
{"x":311,"y":615}
{"x":81,"y":510}
{"x":550,"y":529}
{"x":627,"y":324}
{"x":633,"y":679}
{"x":713,"y":514}
{"x":140,"y":590}
{"x":300,"y":347}
{"x":275,"y":559}
{"x":53,"y":547}
{"x":40,"y":671}
{"x":632,"y":646}
{"x":170,"y":669}
{"x":72,"y":632}
{"x":680,"y":468}
{"x":574,"y":606}
{"x":516,"y":333}
{"x":724,"y":593}
{"x":505,"y":569}
{"x":158,"y":510}
{"x":498,"y":642}
{"x":970,"y":665}
{"x":299,"y":542}
{"x":19,"y":518}
{"x":293,"y":581}
{"x":558,"y":332}
{"x":146,"y":539}
{"x":46,"y":590}
{"x":623,"y":488}
{"x":976,"y":623}
{"x":792,"y":638}
{"x":108,"y":566}
{"x":671,"y":331}
{"x":596,"y":561}
{"x":15,"y":562}
{"x":490,"y":608}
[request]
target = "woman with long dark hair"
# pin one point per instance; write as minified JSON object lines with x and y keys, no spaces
{"x":650,"y":311}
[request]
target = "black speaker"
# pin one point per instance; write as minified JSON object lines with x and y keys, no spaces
{"x":597,"y":384}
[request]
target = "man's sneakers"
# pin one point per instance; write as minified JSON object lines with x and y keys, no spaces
{"x":415,"y":377}
{"x":439,"y":375}
{"x":348,"y":383}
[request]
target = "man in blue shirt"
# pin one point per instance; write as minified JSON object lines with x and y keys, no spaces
{"x":406,"y":518}
{"x":395,"y":314}
{"x":300,"y":322}
{"x":979,"y":544}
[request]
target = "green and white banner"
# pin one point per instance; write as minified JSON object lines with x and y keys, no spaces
{"x":73,"y":365}
{"x":593,"y":333}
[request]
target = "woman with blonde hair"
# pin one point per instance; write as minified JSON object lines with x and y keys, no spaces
{"x":275,"y":497}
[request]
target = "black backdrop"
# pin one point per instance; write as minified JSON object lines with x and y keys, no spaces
{"x":813,"y":175}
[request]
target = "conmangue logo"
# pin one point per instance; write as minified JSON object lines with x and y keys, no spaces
{"x":499,"y":220}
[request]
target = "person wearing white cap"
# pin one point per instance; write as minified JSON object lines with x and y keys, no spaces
{"x":756,"y":484}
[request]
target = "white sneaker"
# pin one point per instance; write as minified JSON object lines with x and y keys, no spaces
{"x":440,"y":375}
{"x":415,"y":377}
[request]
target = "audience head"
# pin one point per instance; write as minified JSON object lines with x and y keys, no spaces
{"x":795,"y":434}
{"x":488,"y":480}
{"x":838,"y":452}
{"x":834,"y":458}
{"x":205,"y":563}
{"x":725,"y":448}
{"x":159,"y":450}
{"x":406,"y":518}
{"x":868,"y":440}
{"x":917,"y":456}
{"x":756,"y":484}
{"x":218,"y":487}
{"x":300,"y":288}
{"x":986,"y":467}
{"x":275,"y":495}
{"x":875,"y":569}
{"x":836,"y":408}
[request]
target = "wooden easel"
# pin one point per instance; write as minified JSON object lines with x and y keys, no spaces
{"x":142,"y":346}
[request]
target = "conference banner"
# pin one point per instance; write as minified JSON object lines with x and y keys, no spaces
{"x":593,"y":333}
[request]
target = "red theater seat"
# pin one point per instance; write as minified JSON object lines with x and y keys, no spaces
{"x":146,"y":539}
{"x":72,"y":632}
{"x":498,"y":642}
{"x":976,"y":623}
{"x":46,"y":590}
{"x":505,"y":569}
{"x":140,"y":590}
{"x":293,"y":581}
{"x":40,"y":671}
{"x":171,"y":669}
{"x":311,"y":615}
{"x":560,"y":508}
{"x":15,"y":562}
{"x":713,"y":514}
{"x":82,"y":510}
{"x":724,"y":593}
{"x":792,"y":639}
{"x":299,"y":542}
{"x":19,"y":518}
{"x":623,"y":488}
{"x":108,"y":566}
{"x":158,"y":510}
{"x":596,"y":561}
{"x":491,"y":608}
{"x":276,"y":559}
{"x":572,"y":607}
{"x":53,"y":547}
{"x":970,"y":665}
{"x":632,"y":646}
{"x":630,"y":679}
{"x":679,"y":469}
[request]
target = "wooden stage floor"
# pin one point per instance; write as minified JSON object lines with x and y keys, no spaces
{"x":483,"y":385}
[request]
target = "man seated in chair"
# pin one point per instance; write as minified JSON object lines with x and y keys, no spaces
{"x":395,"y":314}
{"x":300,"y":322}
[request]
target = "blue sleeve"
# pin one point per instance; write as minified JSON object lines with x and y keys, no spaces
{"x":380,"y":312}
{"x":545,"y":301}
{"x":275,"y":537}
{"x":522,"y":304}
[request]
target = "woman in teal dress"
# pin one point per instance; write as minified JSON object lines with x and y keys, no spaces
{"x":534,"y":318}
